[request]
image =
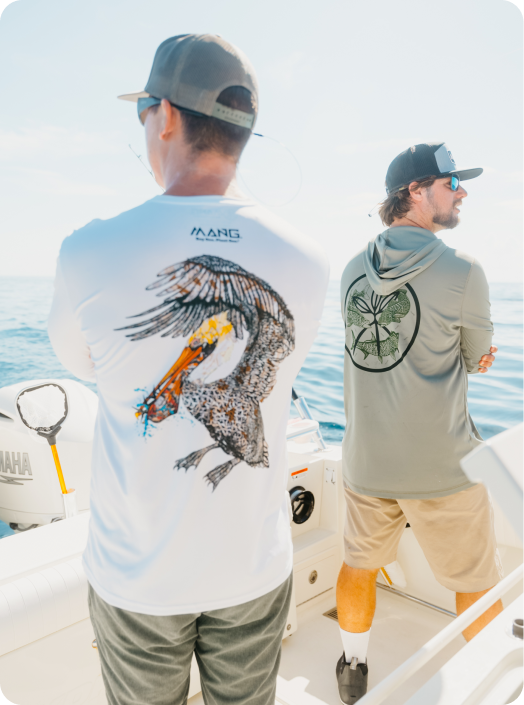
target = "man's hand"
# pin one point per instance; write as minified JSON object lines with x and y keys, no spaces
{"x":487,"y":360}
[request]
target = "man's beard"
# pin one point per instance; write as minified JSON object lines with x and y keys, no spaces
{"x":448,"y":220}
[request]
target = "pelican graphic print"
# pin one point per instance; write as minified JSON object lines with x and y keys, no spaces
{"x":212,"y":301}
{"x":380,"y":330}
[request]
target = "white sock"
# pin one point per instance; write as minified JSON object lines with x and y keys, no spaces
{"x":355,"y":644}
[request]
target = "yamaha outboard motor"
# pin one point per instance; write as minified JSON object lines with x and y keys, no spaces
{"x":30,"y":483}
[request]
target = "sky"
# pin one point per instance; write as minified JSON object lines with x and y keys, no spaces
{"x":344,"y":87}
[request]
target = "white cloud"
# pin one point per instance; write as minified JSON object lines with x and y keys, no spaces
{"x":53,"y":182}
{"x":57,"y":142}
{"x":513,"y":176}
{"x":515,"y":204}
{"x":361,"y":203}
{"x":509,"y":176}
{"x":284,"y":72}
{"x":397,"y":145}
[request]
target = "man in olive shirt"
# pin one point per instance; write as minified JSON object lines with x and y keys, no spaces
{"x":417,"y":317}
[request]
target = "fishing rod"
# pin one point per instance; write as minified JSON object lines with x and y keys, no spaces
{"x":139,"y":157}
{"x":240,"y":174}
{"x":297,"y":164}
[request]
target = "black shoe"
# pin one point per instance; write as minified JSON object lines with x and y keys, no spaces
{"x":352,"y":680}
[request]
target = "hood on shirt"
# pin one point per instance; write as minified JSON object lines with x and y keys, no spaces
{"x":397,"y":255}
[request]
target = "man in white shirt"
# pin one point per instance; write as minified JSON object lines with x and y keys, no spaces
{"x":193,"y":313}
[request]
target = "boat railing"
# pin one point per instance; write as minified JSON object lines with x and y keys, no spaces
{"x":391,"y":683}
{"x":304,"y":413}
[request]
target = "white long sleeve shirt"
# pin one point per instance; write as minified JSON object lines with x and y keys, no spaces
{"x":225,"y":300}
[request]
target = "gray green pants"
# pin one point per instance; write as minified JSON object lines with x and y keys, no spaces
{"x":146,"y":660}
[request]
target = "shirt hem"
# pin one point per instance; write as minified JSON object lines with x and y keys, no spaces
{"x":172,"y":610}
{"x":430,"y":494}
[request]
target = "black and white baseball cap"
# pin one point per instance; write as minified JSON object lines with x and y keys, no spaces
{"x":191,"y":70}
{"x":423,"y":161}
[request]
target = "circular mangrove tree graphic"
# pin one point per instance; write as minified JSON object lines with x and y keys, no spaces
{"x":380,"y":330}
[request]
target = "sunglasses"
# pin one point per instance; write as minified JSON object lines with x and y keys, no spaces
{"x":144,"y":103}
{"x":455,"y":183}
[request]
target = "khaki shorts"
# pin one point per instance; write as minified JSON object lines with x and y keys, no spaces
{"x":455,"y":532}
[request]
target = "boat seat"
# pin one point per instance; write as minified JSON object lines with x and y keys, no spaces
{"x":43,"y":587}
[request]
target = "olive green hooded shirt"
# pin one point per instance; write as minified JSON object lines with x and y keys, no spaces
{"x":417,"y":321}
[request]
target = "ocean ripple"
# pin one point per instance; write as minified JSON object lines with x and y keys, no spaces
{"x":495,"y":399}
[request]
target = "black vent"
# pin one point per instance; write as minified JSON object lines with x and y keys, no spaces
{"x":332,"y":614}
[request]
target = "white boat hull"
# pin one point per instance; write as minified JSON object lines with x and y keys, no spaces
{"x":46,"y":652}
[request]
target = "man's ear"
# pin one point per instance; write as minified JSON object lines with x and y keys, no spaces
{"x":171,"y":122}
{"x":415,"y":192}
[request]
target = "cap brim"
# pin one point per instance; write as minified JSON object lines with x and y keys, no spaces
{"x":133,"y":97}
{"x":465,"y":174}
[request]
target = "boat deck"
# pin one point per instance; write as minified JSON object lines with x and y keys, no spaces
{"x":400,"y":628}
{"x":65,"y":669}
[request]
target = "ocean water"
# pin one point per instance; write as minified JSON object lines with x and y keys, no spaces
{"x":495,"y":399}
